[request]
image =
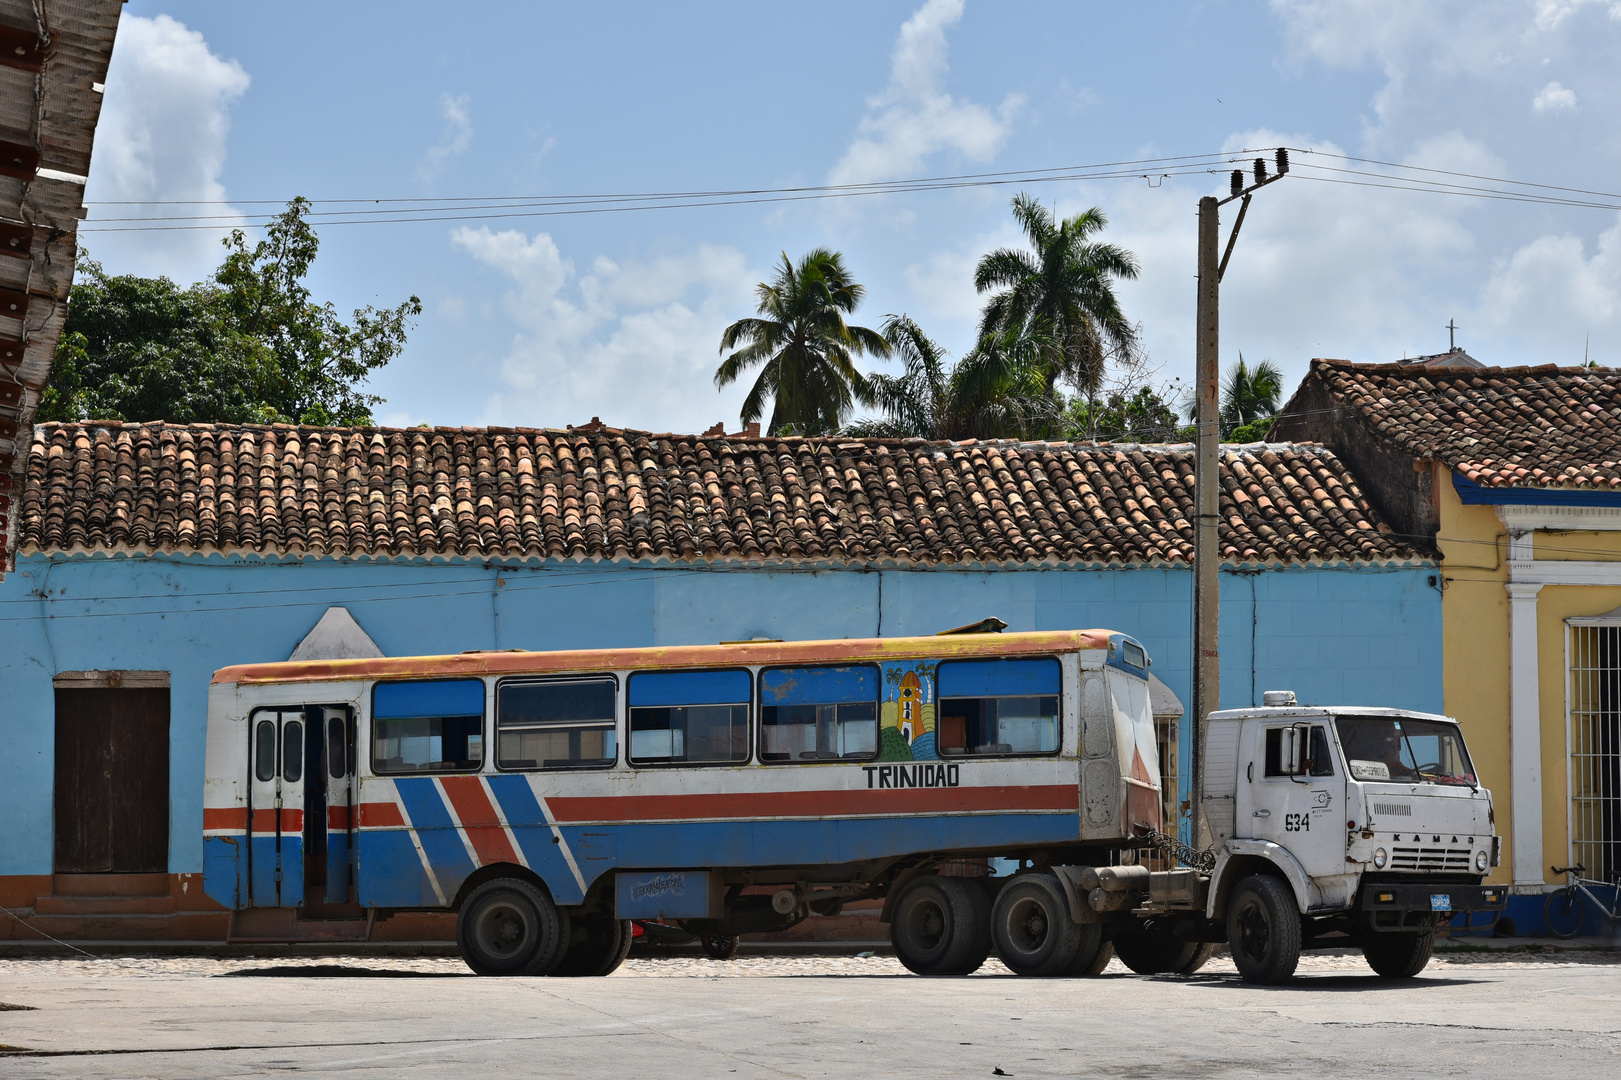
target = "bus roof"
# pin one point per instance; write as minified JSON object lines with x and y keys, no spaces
{"x":519,"y":661}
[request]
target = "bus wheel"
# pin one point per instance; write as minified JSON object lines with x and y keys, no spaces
{"x":1093,"y":954}
{"x":1031,"y":927}
{"x":1398,"y":956}
{"x":506,"y":925}
{"x":718,"y":946}
{"x":599,"y":951}
{"x":1263,"y":929}
{"x":939,"y":926}
{"x":1160,"y":952}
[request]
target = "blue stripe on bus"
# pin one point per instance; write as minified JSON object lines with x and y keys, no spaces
{"x":521,"y":811}
{"x":225,"y":868}
{"x":390,"y":872}
{"x":263,"y":870}
{"x":430,"y":698}
{"x":436,"y":831}
{"x":659,"y":688}
{"x":998,"y":678}
{"x":337,"y":866}
{"x":819,"y":685}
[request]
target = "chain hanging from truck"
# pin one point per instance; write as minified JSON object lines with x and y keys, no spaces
{"x":1186,"y":854}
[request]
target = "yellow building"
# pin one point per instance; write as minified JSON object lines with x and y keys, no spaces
{"x":1514,"y":475}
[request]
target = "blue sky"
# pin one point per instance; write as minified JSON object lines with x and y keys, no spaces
{"x":550,"y":321}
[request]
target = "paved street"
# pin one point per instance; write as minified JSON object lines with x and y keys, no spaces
{"x":1513,"y":1014}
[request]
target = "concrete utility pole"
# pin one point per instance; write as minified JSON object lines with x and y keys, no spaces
{"x":1207,"y":475}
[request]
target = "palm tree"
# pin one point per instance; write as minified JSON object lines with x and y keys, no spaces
{"x":918,"y":403}
{"x":1249,"y":394}
{"x":803,"y":347}
{"x":1066,"y":283}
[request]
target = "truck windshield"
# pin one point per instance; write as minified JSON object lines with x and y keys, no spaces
{"x":1405,"y":750}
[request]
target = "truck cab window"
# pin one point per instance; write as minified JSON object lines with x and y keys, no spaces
{"x":1405,"y":750}
{"x":819,"y":713}
{"x":435,"y":725}
{"x":998,"y":707}
{"x":1319,"y":760}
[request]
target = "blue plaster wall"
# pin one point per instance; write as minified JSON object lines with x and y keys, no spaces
{"x":1330,"y":635}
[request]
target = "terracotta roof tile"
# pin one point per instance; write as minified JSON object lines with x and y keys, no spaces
{"x":601,"y":493}
{"x":1498,"y":426}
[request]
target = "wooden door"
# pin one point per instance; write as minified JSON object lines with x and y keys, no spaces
{"x":112,"y":781}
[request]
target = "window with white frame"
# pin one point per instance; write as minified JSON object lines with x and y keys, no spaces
{"x":1593,"y":659}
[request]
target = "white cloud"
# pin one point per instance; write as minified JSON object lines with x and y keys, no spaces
{"x":162,"y":136}
{"x":1551,"y":291}
{"x":1554,"y":98}
{"x":457,"y":136}
{"x":634,"y":343}
{"x":914,"y":118}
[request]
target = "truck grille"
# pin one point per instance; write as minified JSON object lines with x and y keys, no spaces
{"x":1429,"y":858}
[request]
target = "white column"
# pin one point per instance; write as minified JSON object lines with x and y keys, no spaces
{"x":1525,"y":735}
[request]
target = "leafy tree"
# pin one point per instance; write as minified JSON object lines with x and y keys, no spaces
{"x":1250,"y":399}
{"x":1126,"y":416}
{"x":1063,"y":289}
{"x":249,"y":346}
{"x":804,"y":348}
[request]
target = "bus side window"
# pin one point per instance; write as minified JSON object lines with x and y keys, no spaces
{"x":689,"y":717}
{"x":556,"y":723}
{"x":433,"y":725}
{"x":990,"y":707}
{"x":819,"y":713}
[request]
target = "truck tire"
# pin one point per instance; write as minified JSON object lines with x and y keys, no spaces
{"x":1093,"y":954}
{"x":1398,"y":956}
{"x":599,"y":951}
{"x":505,"y":926}
{"x":1158,"y":952}
{"x":1031,"y":927}
{"x":1197,"y":958}
{"x":1263,"y":929}
{"x":939,"y":926}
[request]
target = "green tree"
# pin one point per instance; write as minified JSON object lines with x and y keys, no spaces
{"x":1063,"y":289}
{"x":1250,"y":398}
{"x":1126,"y":416}
{"x":249,"y":346}
{"x":803,"y":346}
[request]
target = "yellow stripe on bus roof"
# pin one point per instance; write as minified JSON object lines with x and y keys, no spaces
{"x":517,"y":661}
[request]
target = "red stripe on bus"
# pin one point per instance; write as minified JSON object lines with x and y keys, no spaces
{"x":337,"y":819}
{"x":380,"y":815}
{"x":789,"y":804}
{"x":472,"y":805}
{"x":292,"y":821}
{"x":225,"y":817}
{"x":264,"y":821}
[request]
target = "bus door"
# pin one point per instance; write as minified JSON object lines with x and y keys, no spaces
{"x":334,"y":786}
{"x":276,"y":808}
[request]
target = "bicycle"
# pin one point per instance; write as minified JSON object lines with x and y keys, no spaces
{"x":1564,"y":911}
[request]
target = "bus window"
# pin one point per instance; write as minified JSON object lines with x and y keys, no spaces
{"x":435,"y":725}
{"x":990,"y":707}
{"x":819,"y":713}
{"x":555,"y":724}
{"x":689,"y":716}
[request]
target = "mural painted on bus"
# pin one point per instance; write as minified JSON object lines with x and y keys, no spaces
{"x":906,"y":716}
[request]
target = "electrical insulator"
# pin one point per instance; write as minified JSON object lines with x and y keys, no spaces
{"x":1260,"y":170}
{"x":1238,"y":181}
{"x":1283,"y":160}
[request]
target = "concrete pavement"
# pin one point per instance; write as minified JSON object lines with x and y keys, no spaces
{"x":799,"y":1017}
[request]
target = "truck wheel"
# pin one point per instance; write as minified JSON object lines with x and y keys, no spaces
{"x":1398,"y":956}
{"x":1093,"y":954}
{"x":1263,"y":929}
{"x":506,"y":925}
{"x":1031,"y":927}
{"x":718,"y":946}
{"x":939,"y":926}
{"x":1157,"y":952}
{"x":599,"y":951}
{"x":1197,"y":958}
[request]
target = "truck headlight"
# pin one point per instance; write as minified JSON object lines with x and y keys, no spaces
{"x":1380,"y":858}
{"x":1480,"y":861}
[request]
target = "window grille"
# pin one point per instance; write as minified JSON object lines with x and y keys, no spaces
{"x":1593,"y":655}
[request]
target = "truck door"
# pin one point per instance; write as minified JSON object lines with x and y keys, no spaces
{"x":339,"y":777}
{"x":1290,"y":793}
{"x":276,"y":808}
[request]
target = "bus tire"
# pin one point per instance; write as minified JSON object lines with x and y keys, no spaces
{"x":1093,"y":954}
{"x":1159,"y":952}
{"x":1031,"y":927}
{"x":719,"y":946}
{"x":939,"y":926}
{"x":1263,"y":929}
{"x":598,"y":950}
{"x":506,"y":926}
{"x":1398,"y":956}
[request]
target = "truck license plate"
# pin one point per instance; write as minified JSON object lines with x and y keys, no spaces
{"x":1440,"y":902}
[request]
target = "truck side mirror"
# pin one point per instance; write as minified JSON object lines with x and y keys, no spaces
{"x":1298,"y":753}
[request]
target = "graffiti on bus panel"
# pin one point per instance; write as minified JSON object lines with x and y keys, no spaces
{"x":906,"y":716}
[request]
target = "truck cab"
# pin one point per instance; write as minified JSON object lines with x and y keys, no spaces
{"x":1368,"y":823}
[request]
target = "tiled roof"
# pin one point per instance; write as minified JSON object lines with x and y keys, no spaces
{"x":600,"y":493}
{"x":1498,"y":426}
